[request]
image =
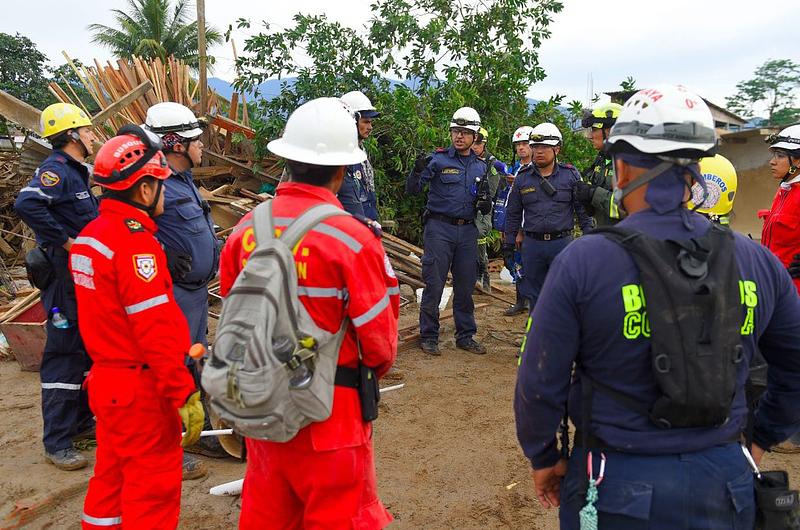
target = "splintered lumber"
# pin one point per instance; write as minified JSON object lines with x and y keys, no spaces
{"x":122,"y":103}
{"x":231,"y":126}
{"x":19,"y":112}
{"x":20,"y":307}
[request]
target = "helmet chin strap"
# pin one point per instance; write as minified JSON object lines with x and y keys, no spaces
{"x":149,"y":210}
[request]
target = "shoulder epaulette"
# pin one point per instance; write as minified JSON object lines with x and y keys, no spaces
{"x":134,"y":225}
{"x":374,"y":227}
{"x":441,"y":149}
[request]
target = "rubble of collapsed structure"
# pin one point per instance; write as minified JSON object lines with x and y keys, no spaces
{"x":231,"y":179}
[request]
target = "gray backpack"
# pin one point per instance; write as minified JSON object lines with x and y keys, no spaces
{"x":272,"y":369}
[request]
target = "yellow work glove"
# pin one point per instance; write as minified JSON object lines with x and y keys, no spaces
{"x":192,"y":416}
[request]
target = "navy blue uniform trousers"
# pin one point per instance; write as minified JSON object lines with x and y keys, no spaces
{"x":449,"y":248}
{"x":65,"y":363}
{"x":709,"y":490}
{"x":537,"y":256}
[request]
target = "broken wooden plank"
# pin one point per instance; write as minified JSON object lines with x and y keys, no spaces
{"x":114,"y":109}
{"x":210,"y":172}
{"x":231,"y":126}
{"x":239,"y":169}
{"x":19,"y":112}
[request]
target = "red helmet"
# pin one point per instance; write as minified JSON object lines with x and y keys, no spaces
{"x":128,"y":157}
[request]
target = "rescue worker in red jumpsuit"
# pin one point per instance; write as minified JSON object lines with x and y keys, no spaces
{"x":324,"y":478}
{"x":781,"y":232}
{"x":139,"y":388}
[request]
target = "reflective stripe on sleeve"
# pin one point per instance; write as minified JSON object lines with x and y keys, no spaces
{"x":323,"y":292}
{"x":393,"y":290}
{"x":372,"y":312}
{"x":101,"y":521}
{"x":37,"y":191}
{"x":95,"y":244}
{"x":60,"y":386}
{"x":146,"y":304}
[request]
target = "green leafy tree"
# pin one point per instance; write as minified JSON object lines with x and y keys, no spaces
{"x":450,"y":54}
{"x":23,"y":73}
{"x":155,"y":28}
{"x":774,"y":84}
{"x":628,"y":84}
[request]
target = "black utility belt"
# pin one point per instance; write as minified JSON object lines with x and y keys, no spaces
{"x":548,"y":236}
{"x":365,"y":381}
{"x":450,"y":220}
{"x":593,"y":442}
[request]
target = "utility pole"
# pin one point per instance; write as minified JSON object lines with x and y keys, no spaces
{"x":201,"y":49}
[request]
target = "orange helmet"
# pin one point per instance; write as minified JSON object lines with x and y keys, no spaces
{"x":132,"y":154}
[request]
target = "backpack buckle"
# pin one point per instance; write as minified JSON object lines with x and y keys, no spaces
{"x":234,"y":392}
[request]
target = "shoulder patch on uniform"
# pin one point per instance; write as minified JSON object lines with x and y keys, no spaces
{"x":144,"y":265}
{"x":374,"y":226}
{"x":451,"y":171}
{"x":387,"y":266}
{"x":49,"y":179}
{"x":568,"y":166}
{"x":441,"y":149}
{"x":134,"y":225}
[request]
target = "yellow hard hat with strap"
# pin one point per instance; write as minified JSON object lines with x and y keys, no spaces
{"x":60,"y":117}
{"x":721,"y":183}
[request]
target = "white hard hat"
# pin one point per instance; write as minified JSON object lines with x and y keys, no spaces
{"x":320,"y":132}
{"x":170,"y":117}
{"x":545,"y":134}
{"x":523,"y":134}
{"x":359,"y":103}
{"x":466,"y":118}
{"x":667,"y":120}
{"x":786,"y":140}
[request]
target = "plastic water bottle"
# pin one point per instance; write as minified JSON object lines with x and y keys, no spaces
{"x":301,"y":374}
{"x":58,"y":319}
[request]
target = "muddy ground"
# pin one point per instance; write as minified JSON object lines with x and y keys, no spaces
{"x":447,"y":456}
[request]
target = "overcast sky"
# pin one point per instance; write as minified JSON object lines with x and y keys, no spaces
{"x":707,"y":45}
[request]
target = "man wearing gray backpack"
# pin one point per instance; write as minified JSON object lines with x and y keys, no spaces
{"x":315,"y":472}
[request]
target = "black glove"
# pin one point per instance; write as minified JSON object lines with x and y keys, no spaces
{"x":179,"y":264}
{"x":420,"y":163}
{"x":794,"y":267}
{"x":484,"y":206}
{"x":584,"y":192}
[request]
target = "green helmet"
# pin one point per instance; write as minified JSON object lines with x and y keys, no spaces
{"x":602,"y":116}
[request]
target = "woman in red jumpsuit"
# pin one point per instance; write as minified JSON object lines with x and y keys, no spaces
{"x":781,"y":232}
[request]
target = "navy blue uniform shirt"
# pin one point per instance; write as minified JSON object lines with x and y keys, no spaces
{"x":58,"y":202}
{"x":452,"y":182}
{"x":543,"y":212}
{"x":353,"y":193}
{"x":186,"y":227}
{"x":591,"y":312}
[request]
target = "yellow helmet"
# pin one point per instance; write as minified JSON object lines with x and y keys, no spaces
{"x":60,"y":117}
{"x":721,"y":182}
{"x":602,"y":116}
{"x":483,"y":135}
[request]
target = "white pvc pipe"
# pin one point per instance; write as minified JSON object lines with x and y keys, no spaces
{"x":393,"y":387}
{"x":216,"y":432}
{"x":229,"y":488}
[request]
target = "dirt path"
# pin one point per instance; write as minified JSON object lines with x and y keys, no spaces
{"x":446,"y":449}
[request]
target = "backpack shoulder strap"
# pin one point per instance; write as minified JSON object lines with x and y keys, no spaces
{"x":263,"y":226}
{"x":308,"y":220}
{"x":619,"y":235}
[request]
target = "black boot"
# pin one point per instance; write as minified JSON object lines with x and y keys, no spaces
{"x":519,"y":307}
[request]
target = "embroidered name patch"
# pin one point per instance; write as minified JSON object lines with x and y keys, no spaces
{"x":82,"y":195}
{"x":451,"y":171}
{"x":144,"y":265}
{"x":49,"y":179}
{"x":523,"y":191}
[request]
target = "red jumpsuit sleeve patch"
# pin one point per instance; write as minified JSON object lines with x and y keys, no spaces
{"x":144,"y":266}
